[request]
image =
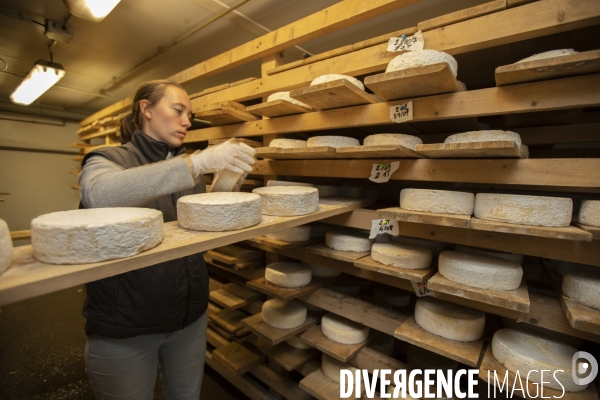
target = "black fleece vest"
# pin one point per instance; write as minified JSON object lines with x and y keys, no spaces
{"x":161,"y":298}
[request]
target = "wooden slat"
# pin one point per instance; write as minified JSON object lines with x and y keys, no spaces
{"x":415,"y":275}
{"x":232,"y":260}
{"x":238,"y":358}
{"x":287,"y":294}
{"x":348,"y":256}
{"x":277,"y":108}
{"x":371,"y":360}
{"x":462,"y":15}
{"x":280,"y":384}
{"x":342,"y":352}
{"x":381,"y":151}
{"x":565,"y":233}
{"x":333,"y":94}
{"x":272,"y":335}
{"x":18,"y":235}
{"x":399,"y":214}
{"x":232,"y":296}
{"x":280,"y":244}
{"x":594,"y":230}
{"x":289,"y":357}
{"x":304,"y":153}
{"x":320,"y":386}
{"x":225,"y":115}
{"x":230,"y":320}
{"x":495,"y":149}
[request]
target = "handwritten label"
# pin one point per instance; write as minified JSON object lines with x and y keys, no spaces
{"x":402,"y":112}
{"x":382,"y":172}
{"x":406,"y":43}
{"x":381,"y":226}
{"x":421,"y":289}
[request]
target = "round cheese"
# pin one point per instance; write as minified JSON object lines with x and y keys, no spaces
{"x":589,"y":213}
{"x":548,"y":54}
{"x":583,"y":287}
{"x":335,"y":77}
{"x":401,"y":255}
{"x":350,"y":191}
{"x":298,"y":343}
{"x":393,"y":296}
{"x":437,"y":201}
{"x":332,"y":141}
{"x":320,"y":271}
{"x":286,"y":96}
{"x":288,"y":143}
{"x":383,"y":344}
{"x":484,"y":136}
{"x":96,"y":234}
{"x":349,"y":240}
{"x":524,"y":210}
{"x":287,"y":183}
{"x":420,"y":58}
{"x":288,"y":274}
{"x":419,"y":358}
{"x":480,"y":271}
{"x":524,"y":352}
{"x":6,"y":247}
{"x":332,"y":367}
{"x":326,"y":190}
{"x":392,"y":138}
{"x":448,"y":320}
{"x":279,"y":314}
{"x":516,"y":258}
{"x":294,"y":234}
{"x":342,"y":330}
{"x":433,"y":245}
{"x":218,"y":212}
{"x":349,"y":287}
{"x":288,"y":200}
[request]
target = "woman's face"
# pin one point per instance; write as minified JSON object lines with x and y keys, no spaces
{"x":168,"y":120}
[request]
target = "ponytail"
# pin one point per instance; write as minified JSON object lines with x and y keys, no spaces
{"x":127,"y":129}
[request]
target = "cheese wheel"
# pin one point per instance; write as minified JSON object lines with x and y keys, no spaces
{"x":320,"y":271}
{"x":350,"y":191}
{"x":420,"y":358}
{"x":484,"y":136}
{"x":548,"y":54}
{"x":287,"y":183}
{"x":393,"y":138}
{"x":420,"y":58}
{"x":294,"y":234}
{"x":524,"y":352}
{"x":335,"y":77}
{"x":516,"y":258}
{"x":298,"y":343}
{"x":225,"y":181}
{"x":326,"y":190}
{"x":437,"y":201}
{"x":6,"y":247}
{"x":448,"y":320}
{"x":288,"y":274}
{"x":350,"y":287}
{"x":218,"y":212}
{"x":524,"y":210}
{"x":288,"y":200}
{"x":96,"y":234}
{"x":480,"y":271}
{"x":332,"y":367}
{"x":393,"y":296}
{"x":401,"y":255}
{"x":279,"y":314}
{"x":286,"y":96}
{"x":343,"y":330}
{"x":332,"y":141}
{"x":383,"y":344}
{"x":583,"y":287}
{"x":433,"y":245}
{"x":589,"y":213}
{"x":288,"y":143}
{"x":349,"y":240}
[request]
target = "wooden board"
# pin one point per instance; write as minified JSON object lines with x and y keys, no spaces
{"x":397,"y":213}
{"x":287,"y":294}
{"x":230,"y":320}
{"x":594,"y":230}
{"x":232,"y":296}
{"x":240,"y":251}
{"x":383,"y":151}
{"x":587,"y":62}
{"x":290,"y":357}
{"x":566,"y":233}
{"x":232,"y":260}
{"x":415,"y":275}
{"x":304,"y":153}
{"x":225,"y":116}
{"x":334,"y":94}
{"x":464,"y":352}
{"x":343,"y":352}
{"x":495,"y":149}
{"x":414,"y":82}
{"x":320,"y":386}
{"x":280,"y":244}
{"x":274,"y":336}
{"x":277,"y":108}
{"x":348,"y":256}
{"x":251,"y":143}
{"x":238,"y":358}
{"x":462,"y":15}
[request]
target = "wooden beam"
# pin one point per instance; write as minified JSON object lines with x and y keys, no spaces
{"x":462,"y":15}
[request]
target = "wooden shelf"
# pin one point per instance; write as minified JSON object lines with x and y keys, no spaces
{"x":333,"y":94}
{"x":566,"y":233}
{"x":274,"y":336}
{"x":303,"y":153}
{"x":238,"y":358}
{"x":343,"y":352}
{"x":399,"y":214}
{"x":287,"y":294}
{"x":380,"y":151}
{"x":232,"y":296}
{"x":216,"y":258}
{"x":495,"y":149}
{"x":280,"y":244}
{"x":594,"y":230}
{"x":414,"y":275}
{"x":317,"y":384}
{"x":277,"y":108}
{"x":347,"y":256}
{"x":290,"y":357}
{"x":230,"y":320}
{"x":225,"y":113}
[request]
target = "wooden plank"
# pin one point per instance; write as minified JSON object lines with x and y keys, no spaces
{"x":242,"y":81}
{"x":415,"y":275}
{"x":285,"y":67}
{"x":274,"y":336}
{"x":280,"y":244}
{"x":464,"y":352}
{"x":238,"y":358}
{"x":287,"y":294}
{"x":304,"y":153}
{"x":516,"y":3}
{"x":230,"y":320}
{"x":587,"y":62}
{"x":232,"y":296}
{"x":348,"y":256}
{"x":333,"y":94}
{"x":232,"y":260}
{"x":329,"y":54}
{"x":371,"y":360}
{"x":342,"y":352}
{"x":278,"y":383}
{"x":382,"y":151}
{"x":251,"y":143}
{"x":565,"y":233}
{"x":399,"y":214}
{"x":320,"y":386}
{"x":225,"y":115}
{"x":594,"y":230}
{"x":462,"y":15}
{"x":494,"y":149}
{"x":277,"y":108}
{"x":19,"y":235}
{"x":240,"y":252}
{"x":290,"y":357}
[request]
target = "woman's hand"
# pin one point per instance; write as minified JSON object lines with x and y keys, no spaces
{"x":236,"y":157}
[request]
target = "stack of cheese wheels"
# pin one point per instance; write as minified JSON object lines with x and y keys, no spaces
{"x":217,"y":212}
{"x":397,"y":139}
{"x":524,"y":210}
{"x":448,"y":320}
{"x":433,"y":245}
{"x":327,"y":190}
{"x":350,"y":191}
{"x":583,"y":287}
{"x":383,"y":344}
{"x":287,"y":183}
{"x":332,"y":141}
{"x":548,"y":54}
{"x":288,"y":200}
{"x":335,"y":77}
{"x":298,"y":343}
{"x":6,"y":247}
{"x":332,"y":367}
{"x":96,"y":234}
{"x":320,"y":271}
{"x":420,"y":58}
{"x":393,"y":296}
{"x":285,"y":96}
{"x":342,"y":330}
{"x":279,"y":314}
{"x":350,"y":287}
{"x":589,"y":213}
{"x":349,"y":240}
{"x":480,"y":271}
{"x":402,"y":255}
{"x":437,"y":201}
{"x":529,"y":354}
{"x":516,"y":258}
{"x":288,"y":274}
{"x":294,"y":234}
{"x":288,"y":143}
{"x":419,"y":358}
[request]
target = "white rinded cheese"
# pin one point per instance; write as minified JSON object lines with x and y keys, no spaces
{"x":392,"y":138}
{"x":350,"y":191}
{"x":548,"y":54}
{"x":6,"y":247}
{"x":583,"y":287}
{"x":218,"y":212}
{"x":225,"y":181}
{"x":335,"y":77}
{"x":286,"y":96}
{"x":524,"y":352}
{"x":484,"y":136}
{"x":433,"y":245}
{"x":288,"y":200}
{"x":448,"y":320}
{"x":332,"y":141}
{"x":437,"y":201}
{"x":420,"y":58}
{"x":287,"y":183}
{"x":383,"y":344}
{"x":589,"y":213}
{"x":524,"y":210}
{"x":326,"y":190}
{"x":480,"y":271}
{"x":288,"y":143}
{"x":332,"y":367}
{"x":350,"y":287}
{"x":342,"y":330}
{"x":279,"y":314}
{"x":320,"y":271}
{"x":419,"y":358}
{"x":402,"y":255}
{"x":298,"y":343}
{"x":288,"y":274}
{"x":393,"y":296}
{"x":294,"y":234}
{"x":96,"y":234}
{"x":516,"y":258}
{"x":349,"y":240}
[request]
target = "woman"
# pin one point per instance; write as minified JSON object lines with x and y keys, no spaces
{"x":155,"y":315}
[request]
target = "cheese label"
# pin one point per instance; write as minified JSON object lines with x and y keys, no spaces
{"x":421,"y":289}
{"x":406,"y":43}
{"x":402,"y":112}
{"x":382,"y":172}
{"x":380,"y":226}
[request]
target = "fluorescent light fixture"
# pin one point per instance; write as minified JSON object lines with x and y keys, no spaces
{"x":41,"y":78}
{"x":91,"y":10}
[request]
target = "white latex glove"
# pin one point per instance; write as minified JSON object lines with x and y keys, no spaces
{"x":237,"y":157}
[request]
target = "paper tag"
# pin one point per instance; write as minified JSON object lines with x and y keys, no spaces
{"x":382,"y":172}
{"x":380,"y":226}
{"x":410,"y":43}
{"x":421,"y":289}
{"x":402,"y":112}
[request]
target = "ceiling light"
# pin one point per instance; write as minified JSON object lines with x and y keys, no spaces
{"x":41,"y":78}
{"x":91,"y":10}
